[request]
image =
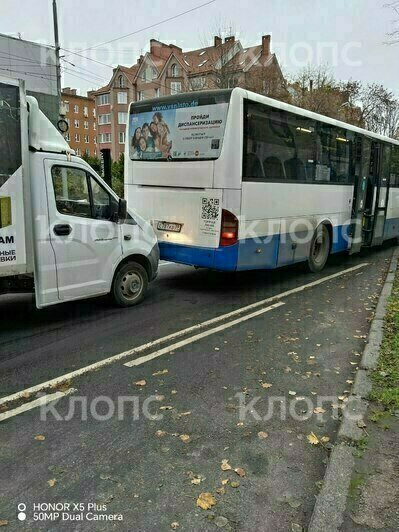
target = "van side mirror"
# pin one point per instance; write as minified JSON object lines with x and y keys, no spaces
{"x":122,"y":210}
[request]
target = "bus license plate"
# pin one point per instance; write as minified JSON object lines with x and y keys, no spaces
{"x":169,"y":226}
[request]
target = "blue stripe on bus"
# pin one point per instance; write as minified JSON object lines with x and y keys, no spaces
{"x":249,"y":254}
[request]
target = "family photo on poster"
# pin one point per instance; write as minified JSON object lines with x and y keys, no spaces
{"x":184,"y":133}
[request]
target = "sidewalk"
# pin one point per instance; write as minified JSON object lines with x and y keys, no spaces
{"x":373,"y":500}
{"x":360,"y":490}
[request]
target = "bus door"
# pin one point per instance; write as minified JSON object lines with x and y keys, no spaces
{"x":362,"y":169}
{"x":381,"y":194}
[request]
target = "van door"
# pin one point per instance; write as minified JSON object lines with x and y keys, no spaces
{"x":86,"y":242}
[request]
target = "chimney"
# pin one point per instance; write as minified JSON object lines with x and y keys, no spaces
{"x":266,"y":39}
{"x":217,"y":40}
{"x":230,"y":39}
{"x":140,"y":59}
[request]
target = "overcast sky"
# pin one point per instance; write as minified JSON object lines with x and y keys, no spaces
{"x":349,"y":35}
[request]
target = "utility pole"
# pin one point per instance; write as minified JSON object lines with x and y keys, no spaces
{"x":57,"y":50}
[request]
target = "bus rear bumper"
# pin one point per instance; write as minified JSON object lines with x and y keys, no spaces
{"x":222,"y":258}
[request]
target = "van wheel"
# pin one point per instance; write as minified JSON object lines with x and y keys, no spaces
{"x":319,"y":249}
{"x":130,"y":285}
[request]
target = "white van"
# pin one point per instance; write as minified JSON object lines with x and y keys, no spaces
{"x":64,"y":234}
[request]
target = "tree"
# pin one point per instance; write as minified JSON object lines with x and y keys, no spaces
{"x":394,"y":34}
{"x":118,"y":172}
{"x":315,"y":89}
{"x":94,"y":162}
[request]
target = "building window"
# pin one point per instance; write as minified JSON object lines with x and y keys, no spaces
{"x":122,"y":118}
{"x":122,"y":137}
{"x":94,"y":126}
{"x":94,"y":112}
{"x":105,"y":138}
{"x":157,"y":92}
{"x":85,"y":111}
{"x":67,"y":121}
{"x":76,"y":123}
{"x":77,"y":137}
{"x":197,"y":83}
{"x":104,"y":119}
{"x":141,"y":95}
{"x":66,"y":104}
{"x":175,"y":87}
{"x":103,"y":99}
{"x":121,"y":82}
{"x":77,"y":151}
{"x":86,"y":124}
{"x":68,"y":137}
{"x":174,"y":71}
{"x":122,"y":97}
{"x":87,"y":151}
{"x":86,"y":139}
{"x":95,"y":139}
{"x":76,"y":108}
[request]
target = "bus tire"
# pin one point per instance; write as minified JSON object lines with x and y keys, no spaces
{"x":319,"y":249}
{"x":130,"y":284}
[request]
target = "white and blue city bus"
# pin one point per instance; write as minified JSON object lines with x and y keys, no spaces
{"x":233,"y":180}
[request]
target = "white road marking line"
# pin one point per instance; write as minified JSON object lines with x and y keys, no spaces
{"x":173,"y":336}
{"x":36,"y":403}
{"x":192,"y":339}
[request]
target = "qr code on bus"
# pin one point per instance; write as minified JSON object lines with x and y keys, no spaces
{"x":210,"y":208}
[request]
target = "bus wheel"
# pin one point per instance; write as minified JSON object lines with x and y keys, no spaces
{"x":130,"y":285}
{"x":319,"y":249}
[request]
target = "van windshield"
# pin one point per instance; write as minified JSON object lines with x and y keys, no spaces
{"x":188,"y":127}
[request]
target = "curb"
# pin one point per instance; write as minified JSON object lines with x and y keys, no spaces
{"x":328,"y":512}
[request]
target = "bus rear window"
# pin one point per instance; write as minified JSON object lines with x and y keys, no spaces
{"x":179,"y":128}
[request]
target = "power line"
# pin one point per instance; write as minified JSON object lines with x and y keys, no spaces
{"x":147,"y":27}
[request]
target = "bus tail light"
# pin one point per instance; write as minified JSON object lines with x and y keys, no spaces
{"x":229,"y":231}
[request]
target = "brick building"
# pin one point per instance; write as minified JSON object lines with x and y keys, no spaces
{"x":81,"y":118}
{"x":166,"y":69}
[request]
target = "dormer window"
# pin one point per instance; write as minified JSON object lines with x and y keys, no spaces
{"x":121,"y":82}
{"x":173,"y":70}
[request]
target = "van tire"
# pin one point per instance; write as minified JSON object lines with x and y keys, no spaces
{"x":130,"y":285}
{"x":319,"y":249}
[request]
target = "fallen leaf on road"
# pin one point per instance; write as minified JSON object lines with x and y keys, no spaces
{"x":141,"y":383}
{"x":361,"y":424}
{"x":159,"y":397}
{"x":173,"y":392}
{"x":184,"y":414}
{"x":160,"y":433}
{"x":234,"y":484}
{"x":174,"y":525}
{"x":324,"y":439}
{"x":221,"y":491}
{"x":206,"y":500}
{"x":161,"y":372}
{"x":262,"y":435}
{"x":266,"y":385}
{"x":225,"y":481}
{"x":319,"y":410}
{"x":196,"y":481}
{"x":240,"y":471}
{"x":39,"y":437}
{"x":313,"y":439}
{"x":185,"y":438}
{"x":3,"y":522}
{"x":51,"y":482}
{"x":168,"y":407}
{"x":225,"y":465}
{"x":291,"y":392}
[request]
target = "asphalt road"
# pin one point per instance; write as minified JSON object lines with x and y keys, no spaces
{"x":306,"y":349}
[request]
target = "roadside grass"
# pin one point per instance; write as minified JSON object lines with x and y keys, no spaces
{"x":385,"y":378}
